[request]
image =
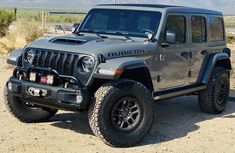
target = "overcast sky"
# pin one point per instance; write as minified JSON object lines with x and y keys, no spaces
{"x":226,"y":6}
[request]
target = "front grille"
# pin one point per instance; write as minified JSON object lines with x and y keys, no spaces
{"x":63,"y":63}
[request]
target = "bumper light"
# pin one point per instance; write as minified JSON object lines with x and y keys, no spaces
{"x":79,"y":97}
{"x":50,"y":79}
{"x":32,"y":76}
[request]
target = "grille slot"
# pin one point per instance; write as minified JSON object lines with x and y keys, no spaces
{"x":63,"y":63}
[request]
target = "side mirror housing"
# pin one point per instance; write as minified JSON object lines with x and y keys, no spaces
{"x":171,"y":37}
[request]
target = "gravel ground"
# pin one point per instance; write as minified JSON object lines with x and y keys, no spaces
{"x":179,"y":126}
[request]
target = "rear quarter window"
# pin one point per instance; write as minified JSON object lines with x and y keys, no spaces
{"x":216,"y":29}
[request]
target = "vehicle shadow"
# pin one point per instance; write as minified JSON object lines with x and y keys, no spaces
{"x":174,"y":119}
{"x":77,"y":122}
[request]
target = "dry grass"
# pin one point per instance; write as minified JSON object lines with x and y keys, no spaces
{"x":22,"y":33}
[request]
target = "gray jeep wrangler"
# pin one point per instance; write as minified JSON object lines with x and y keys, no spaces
{"x":119,"y":61}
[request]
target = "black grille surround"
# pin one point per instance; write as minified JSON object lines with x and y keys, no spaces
{"x":63,"y":62}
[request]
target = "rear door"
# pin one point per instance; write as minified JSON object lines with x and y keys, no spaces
{"x":198,"y":44}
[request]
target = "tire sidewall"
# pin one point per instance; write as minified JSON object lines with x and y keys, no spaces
{"x":220,"y":107}
{"x":23,"y":112}
{"x":121,"y":90}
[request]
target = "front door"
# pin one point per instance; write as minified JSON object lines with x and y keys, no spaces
{"x":172,"y":61}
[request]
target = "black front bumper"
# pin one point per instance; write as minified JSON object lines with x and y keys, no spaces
{"x":55,"y":97}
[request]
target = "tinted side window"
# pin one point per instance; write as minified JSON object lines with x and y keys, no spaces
{"x":177,"y":24}
{"x":217,"y":29}
{"x":198,"y":24}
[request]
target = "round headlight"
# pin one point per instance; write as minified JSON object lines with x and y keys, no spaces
{"x":88,"y":64}
{"x":30,"y":56}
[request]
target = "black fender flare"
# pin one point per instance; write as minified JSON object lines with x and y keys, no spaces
{"x":131,"y":67}
{"x":104,"y":70}
{"x":210,"y":61}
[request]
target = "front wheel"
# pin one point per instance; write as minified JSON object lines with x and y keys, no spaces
{"x":214,"y":98}
{"x":122,"y":113}
{"x":25,"y":111}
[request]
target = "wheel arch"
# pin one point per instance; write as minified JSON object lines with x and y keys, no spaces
{"x":137,"y":75}
{"x":210,"y":62}
{"x":130,"y":67}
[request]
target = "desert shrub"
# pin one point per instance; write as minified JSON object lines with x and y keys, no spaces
{"x":230,"y":39}
{"x":6,"y":18}
{"x":29,"y":30}
{"x":23,"y":32}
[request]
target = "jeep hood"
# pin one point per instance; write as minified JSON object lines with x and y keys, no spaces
{"x":90,"y":45}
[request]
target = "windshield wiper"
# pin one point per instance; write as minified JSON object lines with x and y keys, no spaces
{"x":93,"y":31}
{"x":126,"y":35}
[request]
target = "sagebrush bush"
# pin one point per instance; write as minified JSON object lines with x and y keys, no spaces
{"x":230,"y":39}
{"x":6,"y":18}
{"x":23,"y":32}
{"x":30,"y":30}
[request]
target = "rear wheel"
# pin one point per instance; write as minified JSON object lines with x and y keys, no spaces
{"x":122,"y":113}
{"x":214,"y":98}
{"x":25,"y":111}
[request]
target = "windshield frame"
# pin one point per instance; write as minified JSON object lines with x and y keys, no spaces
{"x":130,"y":34}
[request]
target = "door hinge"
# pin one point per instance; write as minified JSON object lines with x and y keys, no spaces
{"x":158,"y":78}
{"x":190,"y":73}
{"x":190,"y":55}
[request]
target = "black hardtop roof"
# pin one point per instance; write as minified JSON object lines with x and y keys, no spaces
{"x":170,"y":8}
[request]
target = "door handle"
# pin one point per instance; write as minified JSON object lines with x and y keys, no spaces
{"x":204,"y":52}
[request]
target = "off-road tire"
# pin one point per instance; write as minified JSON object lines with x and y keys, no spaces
{"x":208,"y":98}
{"x":101,"y":108}
{"x":24,"y":113}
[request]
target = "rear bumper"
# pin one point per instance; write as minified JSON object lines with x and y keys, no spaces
{"x":49,"y":96}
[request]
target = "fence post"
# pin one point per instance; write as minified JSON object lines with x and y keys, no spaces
{"x":43,"y":21}
{"x":15,"y":13}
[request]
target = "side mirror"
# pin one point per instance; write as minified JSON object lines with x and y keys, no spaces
{"x":150,"y":36}
{"x":171,"y":36}
{"x":75,"y":27}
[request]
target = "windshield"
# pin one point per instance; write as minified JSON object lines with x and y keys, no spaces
{"x":131,"y":22}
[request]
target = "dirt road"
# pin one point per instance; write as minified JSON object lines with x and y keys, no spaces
{"x":179,"y":126}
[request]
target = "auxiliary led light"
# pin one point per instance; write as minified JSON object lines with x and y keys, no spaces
{"x":32,"y":76}
{"x":50,"y":79}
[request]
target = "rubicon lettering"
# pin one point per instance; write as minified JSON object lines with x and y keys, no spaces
{"x":124,"y":53}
